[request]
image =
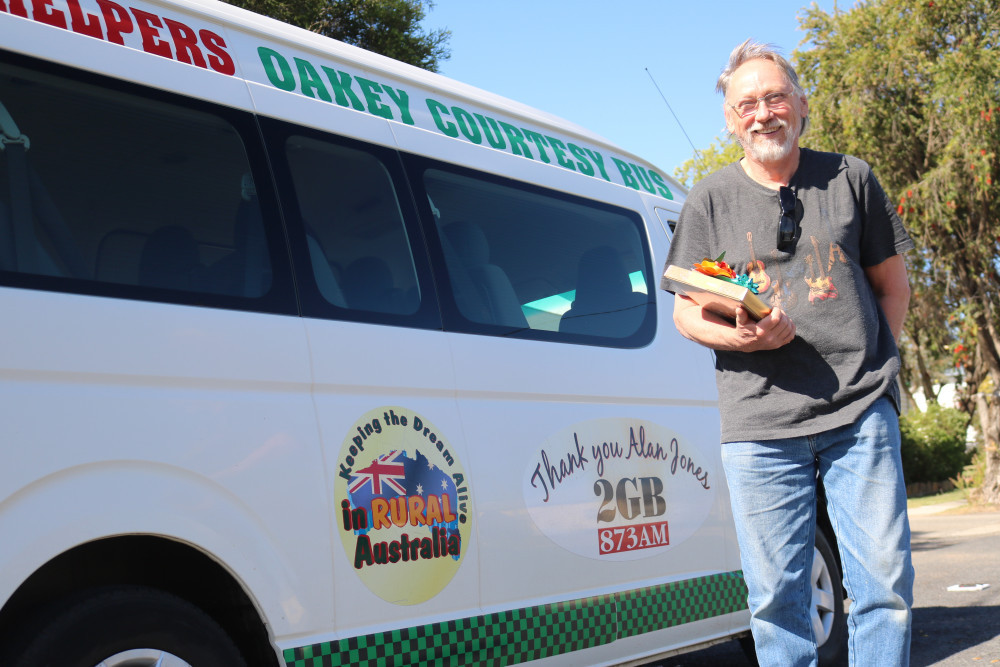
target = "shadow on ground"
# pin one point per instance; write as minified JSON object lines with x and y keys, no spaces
{"x":940,"y":632}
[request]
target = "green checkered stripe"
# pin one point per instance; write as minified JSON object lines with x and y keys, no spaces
{"x":664,"y":606}
{"x":504,"y":638}
{"x":532,"y":633}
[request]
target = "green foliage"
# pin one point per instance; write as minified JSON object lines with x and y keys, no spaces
{"x":972,"y":475}
{"x":389,"y":27}
{"x":301,"y":13}
{"x":933,"y":446}
{"x":723,"y":151}
{"x":911,"y":86}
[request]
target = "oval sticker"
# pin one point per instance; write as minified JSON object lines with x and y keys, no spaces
{"x":405,"y":512}
{"x":619,"y":489}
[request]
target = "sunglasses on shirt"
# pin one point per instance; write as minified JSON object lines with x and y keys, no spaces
{"x":786,"y":223}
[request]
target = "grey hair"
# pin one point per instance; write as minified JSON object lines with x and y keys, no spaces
{"x":751,"y":50}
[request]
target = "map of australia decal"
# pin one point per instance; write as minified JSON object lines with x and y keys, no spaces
{"x":404,"y":505}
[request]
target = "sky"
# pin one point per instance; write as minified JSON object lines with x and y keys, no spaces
{"x":587,"y":61}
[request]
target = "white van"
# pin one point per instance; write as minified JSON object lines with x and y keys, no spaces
{"x":312,"y":358}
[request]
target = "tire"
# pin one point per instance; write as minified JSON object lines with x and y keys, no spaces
{"x":826,"y":611}
{"x":125,"y":626}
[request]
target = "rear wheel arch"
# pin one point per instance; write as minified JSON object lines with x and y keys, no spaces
{"x":145,"y":561}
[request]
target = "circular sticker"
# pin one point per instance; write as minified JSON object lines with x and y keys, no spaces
{"x":405,"y":511}
{"x":619,"y":489}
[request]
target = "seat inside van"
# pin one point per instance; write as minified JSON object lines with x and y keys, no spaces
{"x":472,"y":252}
{"x":605,"y":304}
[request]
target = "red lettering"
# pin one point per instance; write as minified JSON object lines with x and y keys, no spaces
{"x":44,"y":13}
{"x":17,"y":8}
{"x":634,"y":537}
{"x":149,"y":25}
{"x":202,"y":48}
{"x":116,"y":19}
{"x":85,"y":24}
{"x":220,"y":60}
{"x":185,"y":43}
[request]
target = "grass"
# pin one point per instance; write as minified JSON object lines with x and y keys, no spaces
{"x":947,"y":496}
{"x":955,"y":495}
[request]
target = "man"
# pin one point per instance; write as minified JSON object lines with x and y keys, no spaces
{"x":811,"y":388}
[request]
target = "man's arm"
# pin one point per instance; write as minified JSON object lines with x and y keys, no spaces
{"x":708,"y":329}
{"x":892,"y":290}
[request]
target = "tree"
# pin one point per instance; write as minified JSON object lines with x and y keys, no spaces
{"x":389,"y":27}
{"x":301,"y":13}
{"x":911,"y":87}
{"x":723,"y":151}
{"x":933,"y":444}
{"x":930,"y":352}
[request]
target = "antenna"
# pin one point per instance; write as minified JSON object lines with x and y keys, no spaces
{"x":697,"y":155}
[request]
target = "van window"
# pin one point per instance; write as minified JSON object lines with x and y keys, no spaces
{"x":126,"y":195}
{"x":359,"y":250}
{"x":525,"y":262}
{"x":668,"y":220}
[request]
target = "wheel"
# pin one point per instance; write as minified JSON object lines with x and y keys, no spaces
{"x":125,"y":626}
{"x":829,"y":622}
{"x":143,"y":658}
{"x":827,"y":610}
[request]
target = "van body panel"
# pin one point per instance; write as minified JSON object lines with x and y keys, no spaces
{"x":83,"y":377}
{"x":100,"y":56}
{"x":376,"y":399}
{"x":402,"y":382}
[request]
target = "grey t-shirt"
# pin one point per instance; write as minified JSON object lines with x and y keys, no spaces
{"x":843,"y":357}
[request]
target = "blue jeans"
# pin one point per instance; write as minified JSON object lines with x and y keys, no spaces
{"x":773,"y":488}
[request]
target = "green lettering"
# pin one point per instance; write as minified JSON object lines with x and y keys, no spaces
{"x":661,"y":185}
{"x":436,"y":109}
{"x":559,"y":148}
{"x":644,"y":180}
{"x":517,"y":145}
{"x":599,"y":161}
{"x":312,"y":85}
{"x":341,"y":83}
{"x":363,"y":553}
{"x":402,"y":100}
{"x":626,"y":173}
{"x":278,"y":71}
{"x":586,"y":168}
{"x":371,"y":91}
{"x":540,"y":143}
{"x":492,"y":131}
{"x":467,"y":124}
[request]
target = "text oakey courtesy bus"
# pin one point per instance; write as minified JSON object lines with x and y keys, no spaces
{"x":311,"y":358}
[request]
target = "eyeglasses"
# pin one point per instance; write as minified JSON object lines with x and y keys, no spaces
{"x":772,"y":101}
{"x":786,"y":223}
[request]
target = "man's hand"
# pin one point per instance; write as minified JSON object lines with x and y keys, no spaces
{"x":710,"y":330}
{"x":770,"y":333}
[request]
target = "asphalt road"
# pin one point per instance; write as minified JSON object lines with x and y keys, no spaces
{"x":950,"y":628}
{"x":953,"y":628}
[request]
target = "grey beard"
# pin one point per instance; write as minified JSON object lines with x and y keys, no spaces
{"x":762,"y":149}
